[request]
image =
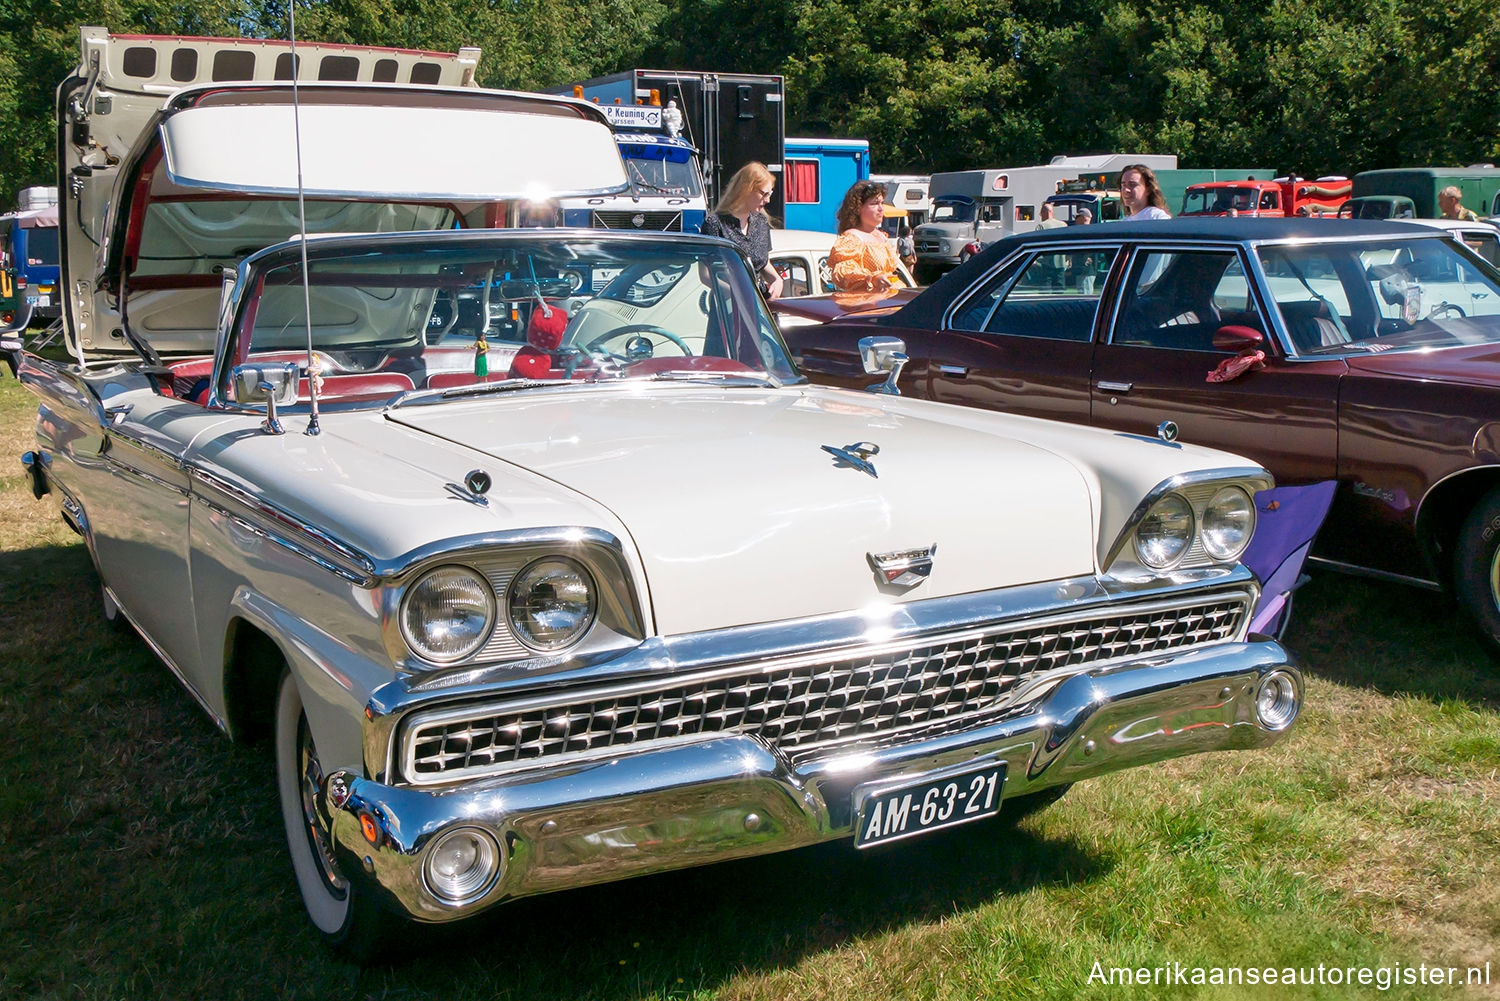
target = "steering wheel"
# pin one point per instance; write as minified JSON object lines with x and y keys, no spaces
{"x":1443,"y":310}
{"x":639,"y":328}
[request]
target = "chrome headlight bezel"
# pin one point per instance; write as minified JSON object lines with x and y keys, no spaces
{"x":1123,"y":560}
{"x":413,"y":621}
{"x":620,"y":616}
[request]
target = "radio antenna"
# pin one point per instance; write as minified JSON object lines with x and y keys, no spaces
{"x":314,"y":372}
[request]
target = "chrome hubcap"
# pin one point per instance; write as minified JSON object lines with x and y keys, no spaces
{"x":319,"y":839}
{"x":1495,"y":579}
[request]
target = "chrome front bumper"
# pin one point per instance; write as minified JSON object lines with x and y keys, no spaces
{"x":725,"y":797}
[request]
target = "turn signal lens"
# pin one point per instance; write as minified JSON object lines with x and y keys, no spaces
{"x":461,"y":865}
{"x":1277,"y":701}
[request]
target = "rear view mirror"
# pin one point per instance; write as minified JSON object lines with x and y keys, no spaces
{"x":883,"y":354}
{"x":1236,"y":338}
{"x":274,"y":383}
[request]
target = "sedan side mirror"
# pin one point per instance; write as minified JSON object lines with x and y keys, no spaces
{"x":1237,"y":338}
{"x":883,"y":354}
{"x":275,"y":383}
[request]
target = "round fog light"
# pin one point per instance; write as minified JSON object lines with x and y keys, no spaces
{"x":1277,"y":701}
{"x":461,"y":865}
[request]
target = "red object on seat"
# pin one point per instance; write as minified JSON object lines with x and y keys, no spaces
{"x":544,"y":332}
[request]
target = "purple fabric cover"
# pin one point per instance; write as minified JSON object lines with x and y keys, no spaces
{"x":1287,"y":518}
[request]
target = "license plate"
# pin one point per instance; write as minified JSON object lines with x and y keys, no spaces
{"x":890,"y":813}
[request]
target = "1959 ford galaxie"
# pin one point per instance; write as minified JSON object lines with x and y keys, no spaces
{"x":542,"y":566}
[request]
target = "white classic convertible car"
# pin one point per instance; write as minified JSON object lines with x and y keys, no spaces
{"x":541,"y":565}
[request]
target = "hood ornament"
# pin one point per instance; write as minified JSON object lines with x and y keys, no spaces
{"x":856,"y":456}
{"x":906,"y":568}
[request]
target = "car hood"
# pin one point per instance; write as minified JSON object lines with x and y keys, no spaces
{"x":823,"y":308}
{"x":1470,"y":364}
{"x":740,"y":515}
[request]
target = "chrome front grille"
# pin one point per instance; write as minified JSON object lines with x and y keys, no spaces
{"x":805,"y":704}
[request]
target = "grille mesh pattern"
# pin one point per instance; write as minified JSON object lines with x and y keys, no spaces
{"x":660,"y":221}
{"x":804,"y":706}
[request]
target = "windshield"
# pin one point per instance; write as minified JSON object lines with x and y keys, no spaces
{"x":661,"y":170}
{"x":41,"y":246}
{"x":461,"y":312}
{"x":1383,"y":295}
{"x":944,"y":210}
{"x":1219,"y":201}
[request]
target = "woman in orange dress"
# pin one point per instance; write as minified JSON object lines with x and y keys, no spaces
{"x":863,"y":258}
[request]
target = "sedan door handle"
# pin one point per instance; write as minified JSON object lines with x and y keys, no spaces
{"x":957,"y":371}
{"x":1105,"y":386}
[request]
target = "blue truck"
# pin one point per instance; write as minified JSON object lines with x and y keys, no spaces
{"x":28,"y":260}
{"x":729,"y":118}
{"x":666,"y":178}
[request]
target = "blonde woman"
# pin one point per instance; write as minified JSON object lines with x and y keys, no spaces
{"x":862,"y":258}
{"x":740,"y":218}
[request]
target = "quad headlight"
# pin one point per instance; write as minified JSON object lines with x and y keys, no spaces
{"x":448,"y":614}
{"x":552,"y":603}
{"x":1228,"y":523}
{"x":1165,"y":533}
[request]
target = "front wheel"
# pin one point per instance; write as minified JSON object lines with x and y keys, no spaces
{"x":349,"y":921}
{"x":1476,"y":574}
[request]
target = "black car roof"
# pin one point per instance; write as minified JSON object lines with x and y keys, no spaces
{"x":925,"y":311}
{"x":1217,"y":228}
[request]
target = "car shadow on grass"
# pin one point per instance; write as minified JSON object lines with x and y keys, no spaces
{"x":1394,"y":639}
{"x":697,"y":929}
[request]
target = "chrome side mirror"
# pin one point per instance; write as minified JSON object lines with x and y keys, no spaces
{"x":272,"y":382}
{"x":883,"y":354}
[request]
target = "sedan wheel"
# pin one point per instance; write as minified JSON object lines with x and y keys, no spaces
{"x":349,"y":921}
{"x":1477,"y":573}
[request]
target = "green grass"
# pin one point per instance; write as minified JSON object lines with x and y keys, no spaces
{"x":141,"y":854}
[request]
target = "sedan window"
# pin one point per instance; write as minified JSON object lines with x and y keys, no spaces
{"x":1056,"y":297}
{"x":1178,"y":300}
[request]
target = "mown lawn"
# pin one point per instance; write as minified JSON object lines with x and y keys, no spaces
{"x":141,"y":854}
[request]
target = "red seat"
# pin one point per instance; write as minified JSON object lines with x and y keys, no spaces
{"x":359,"y":386}
{"x":451,"y":380}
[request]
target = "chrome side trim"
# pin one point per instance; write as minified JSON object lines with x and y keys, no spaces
{"x":1253,"y":477}
{"x":283,"y":528}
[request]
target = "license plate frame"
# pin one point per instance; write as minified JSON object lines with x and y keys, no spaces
{"x":893,"y":809}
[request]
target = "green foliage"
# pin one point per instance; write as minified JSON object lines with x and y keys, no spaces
{"x":1308,"y":85}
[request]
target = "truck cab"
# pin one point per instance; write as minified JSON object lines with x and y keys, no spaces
{"x":665,"y":172}
{"x":1277,"y":198}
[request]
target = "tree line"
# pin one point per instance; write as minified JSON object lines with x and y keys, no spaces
{"x":1310,"y":86}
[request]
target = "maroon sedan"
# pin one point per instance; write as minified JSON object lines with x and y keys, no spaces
{"x":1366,"y":352}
